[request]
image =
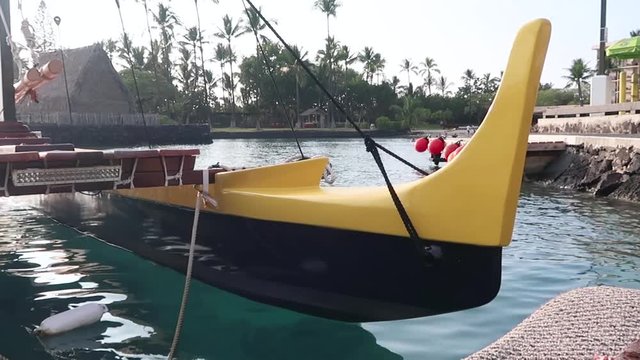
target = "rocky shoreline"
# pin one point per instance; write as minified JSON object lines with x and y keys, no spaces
{"x":601,"y":171}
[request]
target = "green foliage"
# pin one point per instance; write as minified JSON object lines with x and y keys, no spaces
{"x":384,"y":123}
{"x":579,"y":73}
{"x":556,"y":97}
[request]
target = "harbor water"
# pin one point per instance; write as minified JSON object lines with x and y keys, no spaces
{"x":562,"y":240}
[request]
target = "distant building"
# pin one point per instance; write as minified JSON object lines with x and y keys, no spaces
{"x":313,"y":118}
{"x":95,"y":87}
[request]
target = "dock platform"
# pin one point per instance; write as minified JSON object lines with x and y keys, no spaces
{"x":587,"y":323}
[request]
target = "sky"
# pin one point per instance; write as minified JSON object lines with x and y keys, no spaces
{"x":458,"y":34}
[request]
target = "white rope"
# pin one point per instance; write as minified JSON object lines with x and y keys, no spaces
{"x":202,"y":196}
{"x":187,"y":280}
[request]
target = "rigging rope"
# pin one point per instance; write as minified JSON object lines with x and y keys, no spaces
{"x":371,"y":145}
{"x":254,"y":27}
{"x":127,"y":46}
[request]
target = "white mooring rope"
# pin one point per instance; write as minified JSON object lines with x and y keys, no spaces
{"x":187,"y":280}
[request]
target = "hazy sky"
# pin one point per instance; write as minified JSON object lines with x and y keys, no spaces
{"x":458,"y":34}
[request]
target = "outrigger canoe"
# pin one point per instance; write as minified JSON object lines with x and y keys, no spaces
{"x":274,"y":235}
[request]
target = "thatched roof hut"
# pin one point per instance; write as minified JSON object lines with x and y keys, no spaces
{"x":94,"y":85}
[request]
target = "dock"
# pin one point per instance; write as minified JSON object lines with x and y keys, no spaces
{"x":586,"y":323}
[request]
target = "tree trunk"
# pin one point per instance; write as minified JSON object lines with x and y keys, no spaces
{"x":297,"y":101}
{"x":580,"y":94}
{"x":233,"y":95}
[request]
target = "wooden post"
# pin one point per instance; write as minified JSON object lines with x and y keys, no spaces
{"x":634,"y":87}
{"x":622,"y":87}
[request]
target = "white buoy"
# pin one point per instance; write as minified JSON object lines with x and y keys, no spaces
{"x":86,"y":314}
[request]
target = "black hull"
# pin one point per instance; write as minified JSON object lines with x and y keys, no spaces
{"x":344,"y":275}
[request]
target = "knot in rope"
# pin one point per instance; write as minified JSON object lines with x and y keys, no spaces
{"x":370,"y":144}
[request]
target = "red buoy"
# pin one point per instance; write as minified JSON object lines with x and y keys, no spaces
{"x":422,"y":144}
{"x":455,"y":153}
{"x":436,"y":146}
{"x":450,"y":148}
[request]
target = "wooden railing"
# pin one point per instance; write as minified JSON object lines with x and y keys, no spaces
{"x":89,"y":119}
{"x":587,"y":110}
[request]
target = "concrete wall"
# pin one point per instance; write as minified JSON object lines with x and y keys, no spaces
{"x":101,"y":136}
{"x":611,"y":124}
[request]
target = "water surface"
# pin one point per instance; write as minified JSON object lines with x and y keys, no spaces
{"x":562,"y":241}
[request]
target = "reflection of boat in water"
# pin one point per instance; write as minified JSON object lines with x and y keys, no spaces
{"x":220,"y":325}
{"x":274,"y":235}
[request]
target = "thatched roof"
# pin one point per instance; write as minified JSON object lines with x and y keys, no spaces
{"x":94,"y":85}
{"x":313,"y":111}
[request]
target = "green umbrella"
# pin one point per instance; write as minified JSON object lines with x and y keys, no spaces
{"x":625,"y":49}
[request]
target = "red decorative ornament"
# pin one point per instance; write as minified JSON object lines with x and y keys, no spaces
{"x":436,"y":146}
{"x":422,"y":144}
{"x":450,"y":148}
{"x":455,"y":153}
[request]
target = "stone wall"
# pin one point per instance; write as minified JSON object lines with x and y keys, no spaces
{"x":610,"y":124}
{"x":113,"y":136}
{"x":611,"y":172}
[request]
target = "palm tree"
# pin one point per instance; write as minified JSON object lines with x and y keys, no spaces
{"x":191,"y":39}
{"x":408,"y":66}
{"x":329,"y":8}
{"x":634,"y":33}
{"x":366,"y":57}
{"x":394,"y":83}
{"x":152,"y":44}
{"x":166,"y":20}
{"x":200,"y":42}
{"x":428,"y":66}
{"x":221,"y":55}
{"x":469,"y":77}
{"x":330,"y":51}
{"x":298,"y":70}
{"x":345,"y":55}
{"x":443,"y":84}
{"x":579,"y":73}
{"x":489,"y":84}
{"x":378,"y":65}
{"x":228,"y":32}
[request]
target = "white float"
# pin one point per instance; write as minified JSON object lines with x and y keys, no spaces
{"x":86,"y":314}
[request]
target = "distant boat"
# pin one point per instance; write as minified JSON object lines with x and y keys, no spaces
{"x":272,"y":234}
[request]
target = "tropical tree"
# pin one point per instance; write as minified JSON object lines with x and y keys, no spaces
{"x":489,"y":84}
{"x":345,"y":55}
{"x":411,"y":112}
{"x":191,"y":39}
{"x":153,"y":45}
{"x":205,"y":79}
{"x":230,"y":31}
{"x":166,"y":20}
{"x":329,"y":8}
{"x":442,"y":85}
{"x":579,"y":73}
{"x":429,"y":67}
{"x":221,"y":55}
{"x":367,"y":58}
{"x":408,"y":66}
{"x":298,"y":72}
{"x":634,"y":33}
